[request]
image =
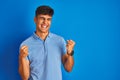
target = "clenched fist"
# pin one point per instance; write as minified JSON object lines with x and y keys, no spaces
{"x":70,"y":46}
{"x":23,"y":52}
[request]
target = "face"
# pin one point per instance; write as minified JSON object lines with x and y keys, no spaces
{"x":43,"y":23}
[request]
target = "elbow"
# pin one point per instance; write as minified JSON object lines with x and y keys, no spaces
{"x":24,"y":76}
{"x":68,"y":68}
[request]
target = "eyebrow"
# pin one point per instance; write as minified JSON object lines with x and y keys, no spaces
{"x":47,"y":18}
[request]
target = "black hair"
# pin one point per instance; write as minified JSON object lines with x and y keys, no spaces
{"x":45,"y":10}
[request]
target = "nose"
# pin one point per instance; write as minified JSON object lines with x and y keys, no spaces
{"x":45,"y":21}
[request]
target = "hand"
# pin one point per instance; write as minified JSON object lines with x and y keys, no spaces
{"x":23,"y":52}
{"x":70,"y":46}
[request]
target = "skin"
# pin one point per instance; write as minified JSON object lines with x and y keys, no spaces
{"x":43,"y":23}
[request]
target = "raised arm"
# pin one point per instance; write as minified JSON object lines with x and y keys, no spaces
{"x":67,"y":59}
{"x":24,"y":68}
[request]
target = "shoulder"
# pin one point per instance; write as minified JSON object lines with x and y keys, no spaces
{"x":27,"y":41}
{"x":56,"y":36}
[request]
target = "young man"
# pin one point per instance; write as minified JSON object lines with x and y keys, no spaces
{"x":42,"y":53}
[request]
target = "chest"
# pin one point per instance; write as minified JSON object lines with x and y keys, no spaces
{"x":40,"y":52}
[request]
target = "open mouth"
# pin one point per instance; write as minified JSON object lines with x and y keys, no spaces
{"x":44,"y":26}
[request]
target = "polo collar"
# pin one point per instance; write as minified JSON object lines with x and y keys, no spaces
{"x":37,"y":37}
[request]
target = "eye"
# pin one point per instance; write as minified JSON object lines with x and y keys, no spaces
{"x":42,"y":18}
{"x":49,"y":19}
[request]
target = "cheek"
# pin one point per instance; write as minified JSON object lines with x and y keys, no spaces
{"x":39,"y":23}
{"x":49,"y":23}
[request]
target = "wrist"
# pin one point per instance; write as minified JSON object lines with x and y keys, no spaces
{"x":22,"y":57}
{"x":71,"y":54}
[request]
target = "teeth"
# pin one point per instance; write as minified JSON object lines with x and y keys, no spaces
{"x":44,"y":26}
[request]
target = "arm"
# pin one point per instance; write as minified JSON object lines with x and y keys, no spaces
{"x":24,"y":68}
{"x":67,"y":59}
{"x":68,"y":62}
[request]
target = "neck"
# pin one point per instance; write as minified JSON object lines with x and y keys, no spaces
{"x":42,"y":35}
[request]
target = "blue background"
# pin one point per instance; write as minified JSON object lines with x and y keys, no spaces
{"x":93,"y":24}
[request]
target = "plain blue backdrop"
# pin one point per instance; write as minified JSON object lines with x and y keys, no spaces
{"x":93,"y":24}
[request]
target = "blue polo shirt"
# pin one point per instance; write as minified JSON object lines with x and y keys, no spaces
{"x":45,"y":56}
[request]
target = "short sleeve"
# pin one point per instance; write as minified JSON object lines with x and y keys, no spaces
{"x":63,"y":46}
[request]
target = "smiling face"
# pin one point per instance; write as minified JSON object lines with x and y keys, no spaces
{"x":43,"y":23}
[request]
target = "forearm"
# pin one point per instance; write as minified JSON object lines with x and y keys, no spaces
{"x":68,"y":62}
{"x":24,"y":68}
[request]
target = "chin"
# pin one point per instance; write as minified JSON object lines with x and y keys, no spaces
{"x":44,"y":31}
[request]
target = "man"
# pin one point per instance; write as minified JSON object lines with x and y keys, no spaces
{"x":42,"y":53}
